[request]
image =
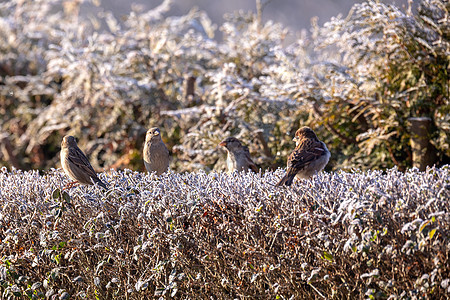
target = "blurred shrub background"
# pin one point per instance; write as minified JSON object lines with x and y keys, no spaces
{"x":355,"y":80}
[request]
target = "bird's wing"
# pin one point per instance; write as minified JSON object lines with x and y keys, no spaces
{"x":253,"y":167}
{"x":166,"y":150}
{"x":306,"y":152}
{"x":77,"y":157}
{"x":250,"y":162}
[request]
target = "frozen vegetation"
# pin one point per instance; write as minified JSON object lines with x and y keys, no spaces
{"x":196,"y":232}
{"x":340,"y":235}
{"x":355,"y":81}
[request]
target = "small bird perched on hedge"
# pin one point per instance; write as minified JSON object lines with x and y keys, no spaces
{"x":76,"y":165}
{"x":156,"y":154}
{"x":309,"y":157}
{"x":238,"y":158}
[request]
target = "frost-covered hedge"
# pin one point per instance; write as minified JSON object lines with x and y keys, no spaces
{"x":196,"y":236}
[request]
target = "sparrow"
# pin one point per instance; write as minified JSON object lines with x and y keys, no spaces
{"x":76,"y":165}
{"x":156,"y":155}
{"x":238,"y":157}
{"x":309,"y":157}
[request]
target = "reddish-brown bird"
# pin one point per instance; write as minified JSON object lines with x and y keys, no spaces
{"x":238,"y":157}
{"x":309,"y":157}
{"x":76,"y":164}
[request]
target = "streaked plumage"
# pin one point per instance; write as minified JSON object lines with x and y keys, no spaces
{"x":309,"y":157}
{"x":238,"y":157}
{"x":75,"y":163}
{"x":156,"y":154}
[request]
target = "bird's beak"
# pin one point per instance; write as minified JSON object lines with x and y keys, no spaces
{"x":156,"y":132}
{"x":223,"y":144}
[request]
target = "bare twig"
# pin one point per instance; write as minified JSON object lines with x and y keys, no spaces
{"x":8,"y":152}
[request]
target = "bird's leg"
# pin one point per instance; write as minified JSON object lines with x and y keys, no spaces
{"x":70,"y":185}
{"x":303,"y":182}
{"x":310,"y":179}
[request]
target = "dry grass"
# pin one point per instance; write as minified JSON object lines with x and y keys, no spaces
{"x":197,"y":236}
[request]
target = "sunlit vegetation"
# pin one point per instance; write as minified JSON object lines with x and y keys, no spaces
{"x":368,"y":227}
{"x":195,"y":235}
{"x":355,"y":81}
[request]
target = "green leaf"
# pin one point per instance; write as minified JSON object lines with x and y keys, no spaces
{"x":328,"y":256}
{"x":62,"y":245}
{"x":56,"y":194}
{"x":58,"y":258}
{"x":29,"y":293}
{"x":433,"y":219}
{"x":424,"y":224}
{"x":431,"y":233}
{"x":375,"y":236}
{"x":66,"y":196}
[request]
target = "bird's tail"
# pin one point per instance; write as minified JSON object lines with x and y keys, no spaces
{"x":100,"y":183}
{"x":286,"y":180}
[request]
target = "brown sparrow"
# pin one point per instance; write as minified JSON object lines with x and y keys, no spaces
{"x":309,"y":157}
{"x":76,"y":165}
{"x":156,"y":155}
{"x":238,"y":157}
